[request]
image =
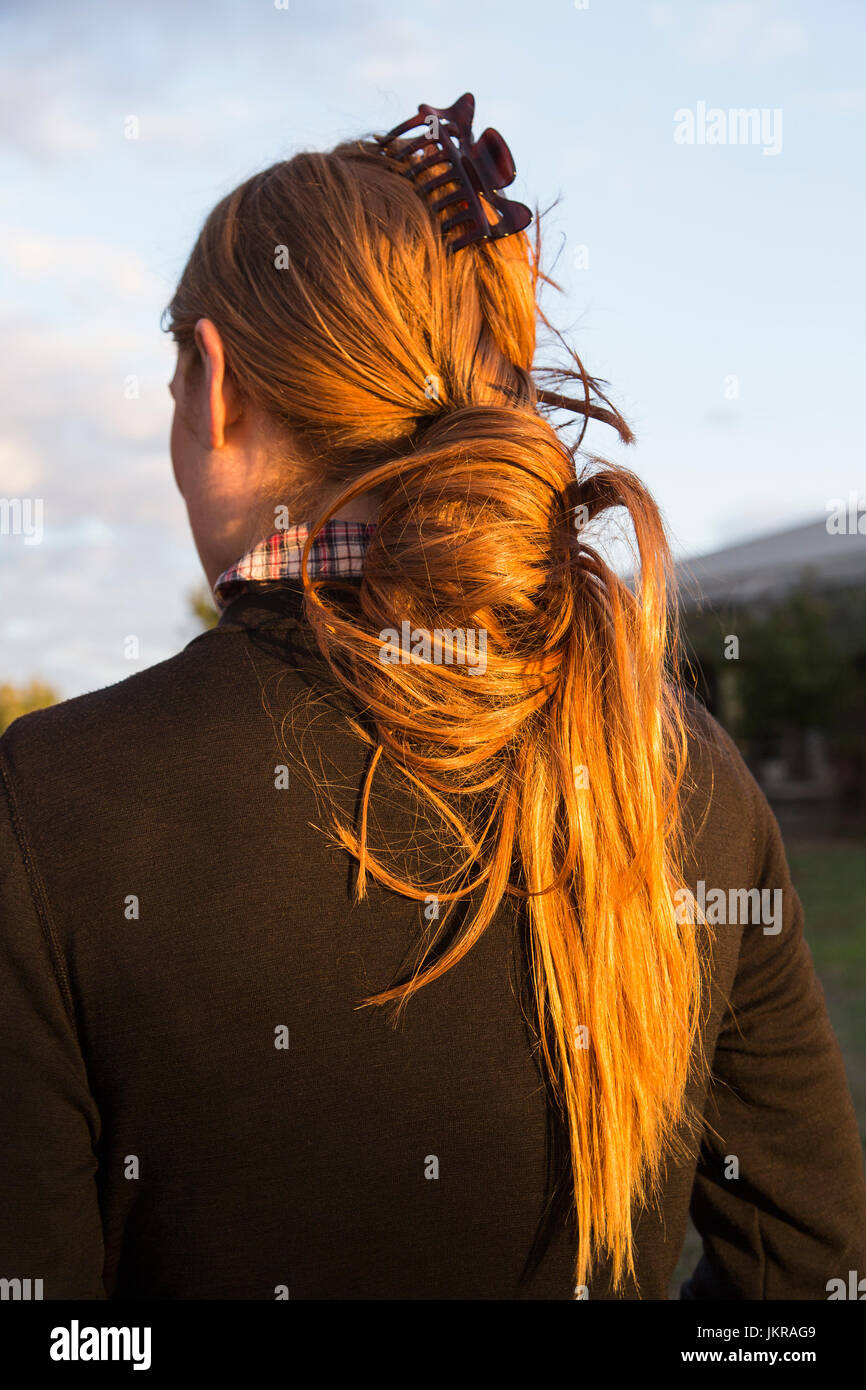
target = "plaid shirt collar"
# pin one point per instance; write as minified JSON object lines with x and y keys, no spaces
{"x":336,"y":553}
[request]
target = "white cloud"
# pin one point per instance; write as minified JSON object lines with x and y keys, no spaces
{"x":397,"y":50}
{"x":661,"y":15}
{"x":21,"y":468}
{"x":75,"y":261}
{"x":853,"y":99}
{"x":38,"y":116}
{"x":69,"y":429}
{"x":746,"y":30}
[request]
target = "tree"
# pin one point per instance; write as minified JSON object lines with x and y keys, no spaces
{"x":202,"y":607}
{"x":18,"y":700}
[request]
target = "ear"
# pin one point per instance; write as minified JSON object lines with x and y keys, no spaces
{"x":222,"y":401}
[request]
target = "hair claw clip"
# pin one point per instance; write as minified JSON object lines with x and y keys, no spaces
{"x":477,"y":167}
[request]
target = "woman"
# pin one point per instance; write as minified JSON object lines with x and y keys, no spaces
{"x":410,"y":934}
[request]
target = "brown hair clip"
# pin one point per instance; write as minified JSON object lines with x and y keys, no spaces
{"x":477,"y":167}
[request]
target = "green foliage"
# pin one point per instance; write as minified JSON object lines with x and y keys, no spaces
{"x":801,"y":664}
{"x":793,"y":671}
{"x":202,"y":607}
{"x":18,"y":700}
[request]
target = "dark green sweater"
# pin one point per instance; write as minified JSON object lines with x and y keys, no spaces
{"x":169,"y":914}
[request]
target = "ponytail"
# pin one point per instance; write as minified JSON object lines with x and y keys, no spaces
{"x":568,"y":747}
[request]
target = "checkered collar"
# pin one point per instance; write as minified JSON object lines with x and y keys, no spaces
{"x":336,"y":553}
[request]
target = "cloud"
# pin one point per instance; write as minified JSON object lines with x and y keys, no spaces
{"x":661,"y":15}
{"x":853,"y":99}
{"x":157,"y":62}
{"x":76,"y":262}
{"x":21,"y":468}
{"x":125,"y":582}
{"x":70,"y":428}
{"x":396,"y":67}
{"x":746,"y":31}
{"x":37,"y":117}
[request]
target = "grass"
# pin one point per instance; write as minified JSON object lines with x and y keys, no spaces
{"x":831,"y":881}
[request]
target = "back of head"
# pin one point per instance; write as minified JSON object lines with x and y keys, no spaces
{"x":533,"y":710}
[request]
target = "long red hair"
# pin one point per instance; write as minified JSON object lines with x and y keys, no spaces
{"x":554,"y":773}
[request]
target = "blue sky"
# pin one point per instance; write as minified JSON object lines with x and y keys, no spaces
{"x":706,"y":262}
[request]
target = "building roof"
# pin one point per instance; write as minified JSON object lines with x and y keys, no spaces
{"x":771,"y":565}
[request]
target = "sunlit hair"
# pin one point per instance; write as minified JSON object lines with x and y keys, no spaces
{"x":554,"y":773}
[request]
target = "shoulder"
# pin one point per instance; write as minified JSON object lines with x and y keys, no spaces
{"x":726,"y":817}
{"x":713,"y":756}
{"x":151,"y":699}
{"x":181,"y":742}
{"x":214,"y":705}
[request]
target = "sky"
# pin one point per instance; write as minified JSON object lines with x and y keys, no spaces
{"x":717,"y":287}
